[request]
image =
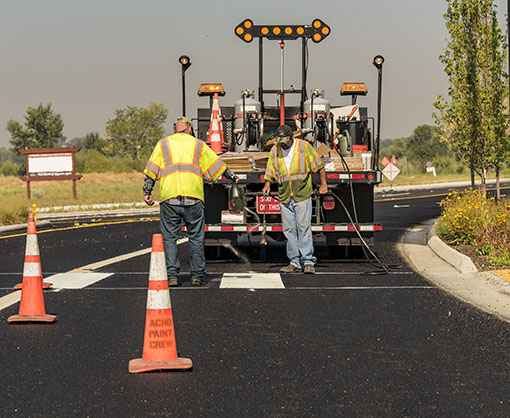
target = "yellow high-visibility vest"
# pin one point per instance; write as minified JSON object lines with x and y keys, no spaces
{"x":296,"y":182}
{"x":180,"y":162}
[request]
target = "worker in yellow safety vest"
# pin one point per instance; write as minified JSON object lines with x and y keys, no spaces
{"x":180,"y":162}
{"x":291,"y":163}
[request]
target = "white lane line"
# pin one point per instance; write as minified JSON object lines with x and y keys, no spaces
{"x":9,"y":300}
{"x":123,"y":257}
{"x":248,"y":287}
{"x":401,"y":206}
{"x":361,"y":287}
{"x":339,"y":273}
{"x":396,"y":194}
{"x":251,"y":281}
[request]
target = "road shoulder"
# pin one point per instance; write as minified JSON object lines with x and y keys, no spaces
{"x":481,"y":289}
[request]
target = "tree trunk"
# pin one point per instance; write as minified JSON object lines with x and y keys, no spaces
{"x":472,"y":169}
{"x":498,"y":193}
{"x":484,"y":181}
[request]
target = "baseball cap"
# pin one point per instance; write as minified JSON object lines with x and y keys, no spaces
{"x":184,"y":119}
{"x":284,"y":130}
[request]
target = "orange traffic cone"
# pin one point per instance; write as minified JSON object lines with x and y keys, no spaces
{"x":159,"y":348}
{"x":31,"y":308}
{"x":216,"y":126}
{"x":33,"y":251}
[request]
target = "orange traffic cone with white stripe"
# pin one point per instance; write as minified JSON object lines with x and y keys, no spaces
{"x":159,"y":347}
{"x":216,"y":126}
{"x":31,"y":308}
{"x":33,"y":251}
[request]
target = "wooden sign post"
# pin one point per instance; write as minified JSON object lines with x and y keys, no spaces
{"x":46,"y":164}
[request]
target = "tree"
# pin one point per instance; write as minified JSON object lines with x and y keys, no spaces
{"x":42,"y":129}
{"x":473,"y":122}
{"x":396,"y":147}
{"x":94,"y":141}
{"x":91,"y":141}
{"x":134,"y":131}
{"x":423,"y":145}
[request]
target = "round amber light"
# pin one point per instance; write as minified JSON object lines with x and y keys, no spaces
{"x":276,"y":30}
{"x":325,"y":30}
{"x":317,"y":24}
{"x":239,"y":30}
{"x":317,"y":37}
{"x":248,"y":24}
{"x":248,"y":37}
{"x":300,"y":31}
{"x":288,"y":30}
{"x":264,"y":31}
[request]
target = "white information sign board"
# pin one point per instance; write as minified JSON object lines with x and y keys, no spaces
{"x":50,"y":164}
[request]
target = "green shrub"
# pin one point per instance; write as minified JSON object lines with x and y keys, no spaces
{"x":15,"y":215}
{"x":10,"y":168}
{"x":470,"y":218}
{"x":92,"y":161}
{"x":448,"y":165}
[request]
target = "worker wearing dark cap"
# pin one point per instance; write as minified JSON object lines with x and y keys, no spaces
{"x":291,"y":163}
{"x":180,"y":162}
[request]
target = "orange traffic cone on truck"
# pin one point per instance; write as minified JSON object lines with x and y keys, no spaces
{"x":31,"y":308}
{"x":159,"y":347}
{"x":216,"y":126}
{"x":33,"y":250}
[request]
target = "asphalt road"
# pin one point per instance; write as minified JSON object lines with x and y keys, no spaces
{"x":344,"y":342}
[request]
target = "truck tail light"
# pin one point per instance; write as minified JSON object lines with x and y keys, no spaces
{"x":328,"y":202}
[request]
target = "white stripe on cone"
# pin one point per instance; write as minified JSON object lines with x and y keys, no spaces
{"x":32,"y":269}
{"x":158,"y":299}
{"x":32,"y":248}
{"x":157,"y":266}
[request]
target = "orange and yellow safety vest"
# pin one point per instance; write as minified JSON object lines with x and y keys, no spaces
{"x":297,"y":182}
{"x":180,"y":162}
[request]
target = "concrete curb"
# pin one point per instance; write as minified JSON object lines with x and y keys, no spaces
{"x":484,"y":290}
{"x":387,"y":189}
{"x":458,"y":260}
{"x":8,"y":228}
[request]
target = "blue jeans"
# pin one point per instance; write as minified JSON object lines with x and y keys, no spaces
{"x":297,"y":228}
{"x":170,"y":223}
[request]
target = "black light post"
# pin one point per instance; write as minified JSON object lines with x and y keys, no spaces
{"x":185,"y":63}
{"x":378,"y":63}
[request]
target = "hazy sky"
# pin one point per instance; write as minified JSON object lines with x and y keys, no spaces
{"x":91,"y":57}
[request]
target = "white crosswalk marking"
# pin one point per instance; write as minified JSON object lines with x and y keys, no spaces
{"x":76,"y":280}
{"x":251,"y":281}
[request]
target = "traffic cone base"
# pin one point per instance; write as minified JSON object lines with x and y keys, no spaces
{"x":139,"y":365}
{"x":32,"y":318}
{"x":45,"y":285}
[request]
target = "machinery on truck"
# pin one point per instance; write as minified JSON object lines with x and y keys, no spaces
{"x":343,"y":135}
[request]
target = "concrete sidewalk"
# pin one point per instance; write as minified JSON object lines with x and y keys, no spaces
{"x":435,"y":261}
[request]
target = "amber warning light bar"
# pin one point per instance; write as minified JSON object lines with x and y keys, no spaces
{"x":353,"y":89}
{"x":317,"y":31}
{"x":208,"y":89}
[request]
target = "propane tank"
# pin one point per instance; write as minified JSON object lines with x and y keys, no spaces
{"x":320,"y":108}
{"x":247,"y":111}
{"x":344,"y":142}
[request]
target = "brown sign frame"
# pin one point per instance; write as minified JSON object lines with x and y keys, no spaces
{"x":31,"y":151}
